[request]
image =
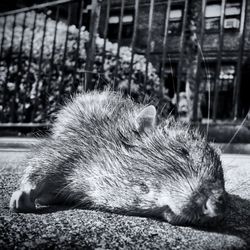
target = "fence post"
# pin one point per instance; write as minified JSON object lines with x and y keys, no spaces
{"x":164,"y":49}
{"x":149,"y":38}
{"x":239,"y":61}
{"x":62,"y":85}
{"x":40,"y":66}
{"x":115,"y":83}
{"x":19,"y":75}
{"x":5,"y":89}
{"x":181,"y":57}
{"x":197,"y":80}
{"x":134,"y":37}
{"x":3,"y":35}
{"x":219,"y":59}
{"x":105,"y":33}
{"x":80,"y":6}
{"x":94,"y":22}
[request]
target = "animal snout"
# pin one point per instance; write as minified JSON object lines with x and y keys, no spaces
{"x":214,"y":207}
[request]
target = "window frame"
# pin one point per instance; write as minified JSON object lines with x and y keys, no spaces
{"x":173,"y":20}
{"x":113,"y":36}
{"x":217,"y":18}
{"x":233,"y":16}
{"x":226,"y":17}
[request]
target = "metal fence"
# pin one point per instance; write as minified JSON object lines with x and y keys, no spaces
{"x":41,"y":64}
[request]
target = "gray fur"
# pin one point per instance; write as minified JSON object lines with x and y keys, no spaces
{"x":102,"y":153}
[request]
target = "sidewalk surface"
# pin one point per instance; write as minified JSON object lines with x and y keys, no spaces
{"x":26,"y":142}
{"x":84,"y":229}
{"x":17,"y":142}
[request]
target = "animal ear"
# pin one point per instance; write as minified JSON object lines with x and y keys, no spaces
{"x":216,"y":148}
{"x":146,"y":118}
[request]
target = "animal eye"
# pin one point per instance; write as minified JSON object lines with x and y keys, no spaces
{"x":144,"y":188}
{"x":213,"y":180}
{"x":184,"y":151}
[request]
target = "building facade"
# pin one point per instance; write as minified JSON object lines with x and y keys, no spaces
{"x":206,"y":41}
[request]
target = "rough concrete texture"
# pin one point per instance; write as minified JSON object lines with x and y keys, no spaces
{"x":84,"y":229}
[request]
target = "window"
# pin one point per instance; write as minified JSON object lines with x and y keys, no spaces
{"x":225,"y":89}
{"x":86,"y":14}
{"x":231,"y":19}
{"x":232,"y":15}
{"x":170,"y":78}
{"x":227,"y":75}
{"x":175,"y":21}
{"x":212,"y":17}
{"x":127,"y":25}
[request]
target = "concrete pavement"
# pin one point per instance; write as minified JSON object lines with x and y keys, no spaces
{"x":27,"y":142}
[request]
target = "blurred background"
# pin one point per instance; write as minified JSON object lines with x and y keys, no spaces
{"x":191,"y":59}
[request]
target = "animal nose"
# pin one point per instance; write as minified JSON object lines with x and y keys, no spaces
{"x":213,"y":206}
{"x":209,"y":209}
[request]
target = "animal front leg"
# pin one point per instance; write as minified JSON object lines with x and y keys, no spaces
{"x":32,"y":186}
{"x":23,"y":200}
{"x":43,"y":193}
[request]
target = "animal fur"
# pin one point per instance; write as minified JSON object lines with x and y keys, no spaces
{"x":106,"y":151}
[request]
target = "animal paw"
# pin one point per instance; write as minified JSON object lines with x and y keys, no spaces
{"x":21,"y":202}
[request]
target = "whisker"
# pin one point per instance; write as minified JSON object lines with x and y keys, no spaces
{"x":103,"y":79}
{"x":228,"y":165}
{"x":172,"y":74}
{"x":162,"y":109}
{"x":240,"y":186}
{"x":236,"y":133}
{"x":98,"y":81}
{"x":85,"y":82}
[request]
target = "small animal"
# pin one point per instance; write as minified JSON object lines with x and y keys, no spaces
{"x":107,"y":152}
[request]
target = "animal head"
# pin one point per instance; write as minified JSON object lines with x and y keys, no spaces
{"x":189,"y":181}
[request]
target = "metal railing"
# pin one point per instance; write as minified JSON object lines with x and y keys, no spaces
{"x":14,"y":54}
{"x":36,"y":80}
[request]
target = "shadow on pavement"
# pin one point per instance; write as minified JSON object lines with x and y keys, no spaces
{"x":237,"y":219}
